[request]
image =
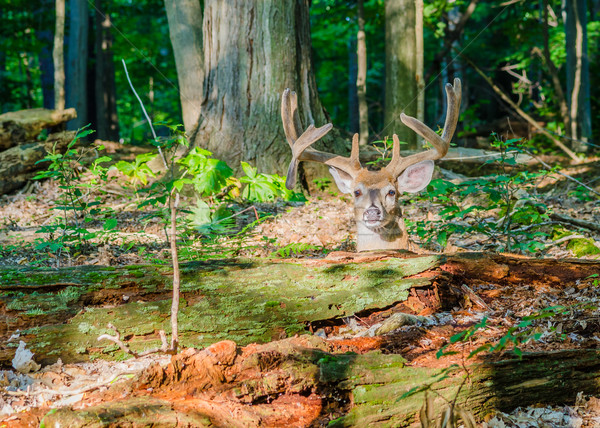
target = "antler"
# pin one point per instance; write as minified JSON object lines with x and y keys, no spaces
{"x":440,"y":144}
{"x":300,"y":143}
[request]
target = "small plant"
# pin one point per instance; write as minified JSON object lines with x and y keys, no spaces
{"x":266,"y":187}
{"x":501,"y":207}
{"x":70,"y":230}
{"x":295,"y":249}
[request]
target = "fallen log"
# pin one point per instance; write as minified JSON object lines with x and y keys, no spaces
{"x":18,"y":164}
{"x":246,"y":300}
{"x":24,"y":126}
{"x":300,"y":382}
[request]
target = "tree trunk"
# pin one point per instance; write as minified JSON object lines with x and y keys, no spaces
{"x":77,"y":56}
{"x":185,"y":29}
{"x":44,"y":34}
{"x":420,"y":55}
{"x":578,"y":80}
{"x":361,"y":77}
{"x":107,"y":121}
{"x":353,"y":122}
{"x":400,"y":68}
{"x":253,"y":50}
{"x":59,"y":57}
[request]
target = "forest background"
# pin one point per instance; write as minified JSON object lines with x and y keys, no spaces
{"x":541,"y":56}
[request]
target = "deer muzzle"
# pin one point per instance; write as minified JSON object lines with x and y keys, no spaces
{"x":372,"y":215}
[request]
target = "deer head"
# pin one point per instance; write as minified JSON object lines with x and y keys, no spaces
{"x":377,"y":213}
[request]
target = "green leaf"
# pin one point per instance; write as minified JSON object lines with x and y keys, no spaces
{"x":110,"y":224}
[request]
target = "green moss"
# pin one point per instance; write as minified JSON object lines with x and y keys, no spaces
{"x":583,"y":247}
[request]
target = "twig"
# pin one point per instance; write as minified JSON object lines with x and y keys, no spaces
{"x":176,"y":275}
{"x":117,"y":340}
{"x":145,"y":114}
{"x":563,"y":239}
{"x":575,"y":221}
{"x":521,"y":113}
{"x":563,"y":174}
{"x":72,"y":391}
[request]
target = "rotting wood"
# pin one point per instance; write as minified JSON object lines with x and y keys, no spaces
{"x":23,"y":126}
{"x":18,"y":164}
{"x":243,"y":300}
{"x":224,"y":385}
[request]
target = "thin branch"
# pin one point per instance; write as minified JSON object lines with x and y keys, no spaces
{"x":145,"y":114}
{"x":521,"y":113}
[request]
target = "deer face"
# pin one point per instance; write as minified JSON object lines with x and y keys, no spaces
{"x":378,"y":216}
{"x":376,"y":193}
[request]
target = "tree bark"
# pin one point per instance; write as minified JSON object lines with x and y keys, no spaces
{"x":58,"y":56}
{"x":107,"y":120}
{"x":353,"y":122}
{"x":578,"y":80}
{"x":77,"y":56}
{"x":400,"y":68}
{"x":253,"y":50}
{"x":361,"y":77}
{"x":185,"y":29}
{"x":24,"y":126}
{"x":18,"y":164}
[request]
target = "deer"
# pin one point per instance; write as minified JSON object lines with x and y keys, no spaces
{"x":378,"y":215}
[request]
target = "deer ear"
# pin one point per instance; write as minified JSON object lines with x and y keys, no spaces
{"x":416,"y":177}
{"x":342,"y":180}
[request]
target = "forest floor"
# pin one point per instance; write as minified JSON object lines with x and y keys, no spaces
{"x":324,"y":224}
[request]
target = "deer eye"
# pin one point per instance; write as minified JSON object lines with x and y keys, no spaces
{"x":357,"y":193}
{"x":392,"y":193}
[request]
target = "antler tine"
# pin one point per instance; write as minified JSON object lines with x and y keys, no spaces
{"x":440,"y":144}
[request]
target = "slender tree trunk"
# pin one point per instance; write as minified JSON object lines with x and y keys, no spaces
{"x":400,"y":68}
{"x":361,"y":77}
{"x":44,"y":34}
{"x":353,"y":123}
{"x":253,"y":50}
{"x":578,"y":80}
{"x":77,"y":56}
{"x":185,"y":29}
{"x":58,"y":56}
{"x":420,"y":56}
{"x":107,"y":120}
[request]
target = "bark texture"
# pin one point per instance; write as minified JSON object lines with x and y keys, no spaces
{"x":107,"y":121}
{"x":578,"y":76}
{"x":24,"y":126}
{"x":185,"y":30}
{"x":400,"y":68}
{"x":58,"y":56}
{"x":361,"y":77}
{"x":77,"y":56}
{"x":253,"y":50}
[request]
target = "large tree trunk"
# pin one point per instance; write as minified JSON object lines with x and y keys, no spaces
{"x":77,"y":56}
{"x":578,"y":79}
{"x":185,"y":29}
{"x":361,"y":77}
{"x":58,"y":56}
{"x":400,"y":68}
{"x":107,"y":121}
{"x":253,"y":50}
{"x":44,"y":34}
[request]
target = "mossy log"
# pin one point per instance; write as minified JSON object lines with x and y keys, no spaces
{"x":299,"y":382}
{"x":24,"y":126}
{"x":18,"y":164}
{"x":62,"y":312}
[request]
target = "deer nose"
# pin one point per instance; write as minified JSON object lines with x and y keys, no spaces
{"x":372,"y":214}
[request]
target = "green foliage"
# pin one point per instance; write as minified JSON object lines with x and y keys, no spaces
{"x":297,"y":249}
{"x":209,"y":175}
{"x":138,"y":170}
{"x":500,"y":206}
{"x":266,"y":187}
{"x":70,"y":231}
